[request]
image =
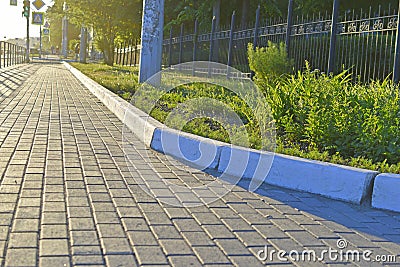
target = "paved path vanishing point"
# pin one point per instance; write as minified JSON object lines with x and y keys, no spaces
{"x":67,"y":198}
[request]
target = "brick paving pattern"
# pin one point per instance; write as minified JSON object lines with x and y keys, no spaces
{"x":67,"y":197}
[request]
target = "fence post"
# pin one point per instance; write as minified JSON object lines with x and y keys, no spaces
{"x":120,"y":53}
{"x":124,"y":57}
{"x":289,"y":26}
{"x":256,"y":26}
{"x":210,"y":57}
{"x":255,"y":40}
{"x":181,"y":44}
{"x":135,"y":54}
{"x":131,"y":52}
{"x":332,"y":48}
{"x":196,"y":28}
{"x":9,"y":55}
{"x":170,"y":48}
{"x":396,"y":65}
{"x":230,"y":51}
{"x":1,"y":58}
{"x":4,"y":55}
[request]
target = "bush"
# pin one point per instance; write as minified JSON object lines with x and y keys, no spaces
{"x":269,"y":62}
{"x":314,"y":111}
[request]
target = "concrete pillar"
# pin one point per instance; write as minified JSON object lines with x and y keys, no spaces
{"x":83,"y":45}
{"x":64,"y":45}
{"x":152,"y":38}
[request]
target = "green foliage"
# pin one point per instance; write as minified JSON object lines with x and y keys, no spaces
{"x":269,"y":62}
{"x":314,"y":111}
{"x":120,"y":80}
{"x":111,"y":21}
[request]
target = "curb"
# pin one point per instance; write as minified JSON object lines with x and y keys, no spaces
{"x":386,"y":193}
{"x":334,"y":181}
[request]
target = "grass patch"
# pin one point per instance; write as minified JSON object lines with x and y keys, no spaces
{"x":317,"y":116}
{"x":122,"y":81}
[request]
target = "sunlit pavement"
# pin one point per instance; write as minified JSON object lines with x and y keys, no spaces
{"x":68,"y":198}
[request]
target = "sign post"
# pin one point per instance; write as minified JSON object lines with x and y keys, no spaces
{"x":26,"y":13}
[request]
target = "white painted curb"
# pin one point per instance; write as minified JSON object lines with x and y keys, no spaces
{"x":326,"y":179}
{"x":193,"y":150}
{"x":386,"y":192}
{"x":330,"y":180}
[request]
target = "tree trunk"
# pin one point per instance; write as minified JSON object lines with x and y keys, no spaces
{"x":109,"y":52}
{"x":245,"y":12}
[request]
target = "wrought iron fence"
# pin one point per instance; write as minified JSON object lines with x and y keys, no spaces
{"x":11,"y":54}
{"x":363,"y":42}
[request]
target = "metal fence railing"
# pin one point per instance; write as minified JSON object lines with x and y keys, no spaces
{"x":11,"y":54}
{"x":363,"y":42}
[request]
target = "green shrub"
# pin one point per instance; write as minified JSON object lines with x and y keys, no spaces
{"x":269,"y":62}
{"x":314,"y":111}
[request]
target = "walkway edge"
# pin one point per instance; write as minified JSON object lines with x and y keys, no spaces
{"x":334,"y":181}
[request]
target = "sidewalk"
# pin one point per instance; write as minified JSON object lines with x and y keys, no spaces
{"x":68,"y":199}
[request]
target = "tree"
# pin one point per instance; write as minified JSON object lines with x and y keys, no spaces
{"x":112,"y":21}
{"x":54,"y":16}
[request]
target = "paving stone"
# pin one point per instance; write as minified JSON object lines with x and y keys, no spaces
{"x":232,"y":247}
{"x":175,"y":247}
{"x":91,"y":260}
{"x":211,"y":255}
{"x":111,"y":230}
{"x":53,"y":218}
{"x":183,"y":261}
{"x":166,"y":232}
{"x":83,"y":238}
{"x":53,"y":247}
{"x":198,"y":239}
{"x":21,"y":257}
{"x":142,"y":238}
{"x":135,"y":224}
{"x":187,"y":225}
{"x":121,"y":260}
{"x":23,"y":240}
{"x":246,"y":261}
{"x":26,"y":225}
{"x":86,"y":250}
{"x":251,"y":238}
{"x":54,"y":261}
{"x":115,"y":246}
{"x":218,"y":231}
{"x":54,"y":231}
{"x":150,"y":255}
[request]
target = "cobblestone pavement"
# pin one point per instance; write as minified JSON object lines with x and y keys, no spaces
{"x":68,"y":199}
